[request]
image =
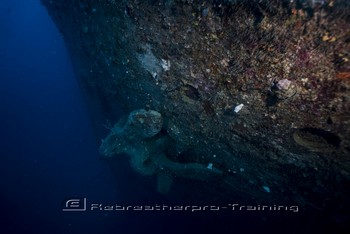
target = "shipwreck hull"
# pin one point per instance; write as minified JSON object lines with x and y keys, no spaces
{"x":258,"y":89}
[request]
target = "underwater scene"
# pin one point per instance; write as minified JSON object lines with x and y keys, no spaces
{"x":175,"y":116}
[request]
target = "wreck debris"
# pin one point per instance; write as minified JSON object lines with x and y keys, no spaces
{"x":165,"y":64}
{"x":317,"y":140}
{"x":151,"y":63}
{"x":147,"y":153}
{"x":238,"y":108}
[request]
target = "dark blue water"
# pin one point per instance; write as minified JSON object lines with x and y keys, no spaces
{"x":47,"y":148}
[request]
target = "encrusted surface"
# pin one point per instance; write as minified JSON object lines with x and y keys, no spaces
{"x":195,"y":62}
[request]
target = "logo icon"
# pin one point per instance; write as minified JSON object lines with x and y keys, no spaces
{"x":74,"y":204}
